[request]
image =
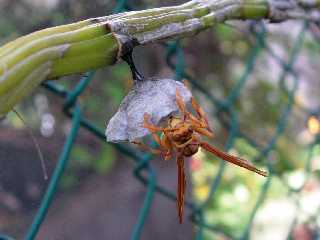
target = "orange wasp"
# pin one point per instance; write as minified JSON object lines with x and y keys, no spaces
{"x":182,"y":138}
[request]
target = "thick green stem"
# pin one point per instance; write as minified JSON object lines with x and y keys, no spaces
{"x":40,"y":34}
{"x":95,"y":43}
{"x":95,"y":53}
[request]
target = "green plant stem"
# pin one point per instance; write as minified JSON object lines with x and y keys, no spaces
{"x":98,"y":42}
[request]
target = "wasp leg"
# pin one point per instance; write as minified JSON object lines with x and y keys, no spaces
{"x":200,"y":124}
{"x":232,"y":159}
{"x":202,"y":117}
{"x":181,"y":105}
{"x":166,"y":144}
{"x":149,"y":126}
{"x":203,"y":131}
{"x":147,"y":148}
{"x":201,"y":114}
{"x":180,"y":146}
{"x":153,"y":129}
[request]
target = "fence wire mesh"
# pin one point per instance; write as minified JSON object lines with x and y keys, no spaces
{"x":225,"y":112}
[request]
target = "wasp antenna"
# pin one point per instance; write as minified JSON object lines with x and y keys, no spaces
{"x":36,"y":143}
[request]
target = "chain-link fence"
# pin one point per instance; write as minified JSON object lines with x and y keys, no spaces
{"x":225,"y":111}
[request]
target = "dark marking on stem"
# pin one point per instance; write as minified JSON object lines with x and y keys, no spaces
{"x":107,"y":27}
{"x":271,"y":14}
{"x":95,"y":20}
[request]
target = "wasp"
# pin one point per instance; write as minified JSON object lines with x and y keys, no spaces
{"x":182,"y":137}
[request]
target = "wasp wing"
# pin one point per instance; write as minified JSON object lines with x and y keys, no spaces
{"x":232,"y":159}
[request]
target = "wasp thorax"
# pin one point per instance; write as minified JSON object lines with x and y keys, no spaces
{"x":190,"y":149}
{"x":183,"y":134}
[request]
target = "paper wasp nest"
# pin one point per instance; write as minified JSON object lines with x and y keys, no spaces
{"x":157,"y":97}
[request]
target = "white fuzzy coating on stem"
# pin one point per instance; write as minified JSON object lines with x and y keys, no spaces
{"x":176,"y":22}
{"x":141,"y":28}
{"x":171,"y":31}
{"x":215,"y":5}
{"x":309,"y":3}
{"x":282,"y":10}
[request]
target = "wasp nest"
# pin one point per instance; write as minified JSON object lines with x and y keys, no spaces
{"x":157,"y":97}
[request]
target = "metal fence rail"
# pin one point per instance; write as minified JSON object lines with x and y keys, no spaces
{"x":143,"y":162}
